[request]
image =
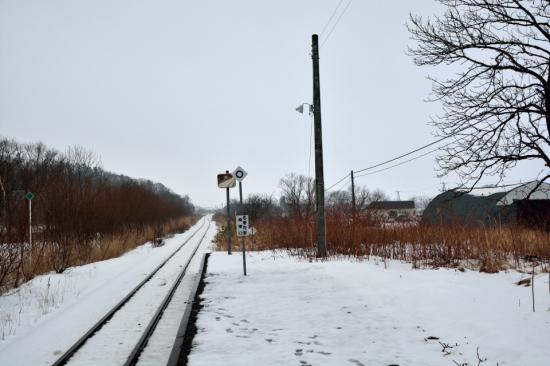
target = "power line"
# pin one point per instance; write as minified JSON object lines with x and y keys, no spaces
{"x":343,"y":184}
{"x":403,"y":155}
{"x":336,"y":23}
{"x":335,"y":184}
{"x":394,"y":159}
{"x":420,"y":148}
{"x":396,"y":165}
{"x":330,"y":19}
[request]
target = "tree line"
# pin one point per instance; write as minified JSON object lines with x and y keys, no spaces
{"x":76,"y":205}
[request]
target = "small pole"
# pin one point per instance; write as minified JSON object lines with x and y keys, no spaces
{"x":228,"y":220}
{"x":30,"y":223}
{"x":533,"y":285}
{"x":242,"y":237}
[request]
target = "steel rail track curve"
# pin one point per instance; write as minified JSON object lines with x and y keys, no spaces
{"x":64,"y":359}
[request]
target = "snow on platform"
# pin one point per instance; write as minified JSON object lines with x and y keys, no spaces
{"x":292,"y":312}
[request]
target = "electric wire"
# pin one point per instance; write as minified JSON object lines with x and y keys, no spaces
{"x":396,"y":165}
{"x":331,"y":17}
{"x":403,"y":155}
{"x":335,"y":184}
{"x":336,"y":23}
{"x":343,"y":184}
{"x":419,"y":148}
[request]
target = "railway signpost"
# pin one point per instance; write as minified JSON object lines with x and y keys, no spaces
{"x":226,"y":180}
{"x":239,"y":174}
{"x":242,"y":225}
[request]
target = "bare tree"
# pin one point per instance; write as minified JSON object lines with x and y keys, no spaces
{"x":421,"y":202}
{"x":298,"y":192}
{"x":497,"y":103}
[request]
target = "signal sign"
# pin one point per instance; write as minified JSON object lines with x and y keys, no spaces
{"x":242,"y":225}
{"x":240,"y":174}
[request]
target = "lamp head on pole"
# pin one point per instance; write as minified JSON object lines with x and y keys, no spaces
{"x":300,"y":108}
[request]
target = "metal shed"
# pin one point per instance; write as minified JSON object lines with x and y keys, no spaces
{"x":524,"y":204}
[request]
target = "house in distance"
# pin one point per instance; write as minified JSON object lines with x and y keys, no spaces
{"x":392,"y":211}
{"x":526,"y":204}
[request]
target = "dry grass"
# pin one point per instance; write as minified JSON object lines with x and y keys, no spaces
{"x":41,"y":258}
{"x":488,"y":249}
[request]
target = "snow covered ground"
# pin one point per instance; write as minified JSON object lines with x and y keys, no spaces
{"x":43,"y":317}
{"x":291,"y":312}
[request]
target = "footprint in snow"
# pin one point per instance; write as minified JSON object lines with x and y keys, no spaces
{"x":229,"y":330}
{"x":356,"y":362}
{"x":299,"y":352}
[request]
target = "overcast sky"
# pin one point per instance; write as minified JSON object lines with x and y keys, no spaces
{"x":178,"y":91}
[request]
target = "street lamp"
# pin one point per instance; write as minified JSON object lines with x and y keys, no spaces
{"x":300,"y":108}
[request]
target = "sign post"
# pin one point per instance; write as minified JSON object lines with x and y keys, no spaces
{"x":226,"y":180}
{"x":242,"y":231}
{"x":29,"y":196}
{"x":239,"y":175}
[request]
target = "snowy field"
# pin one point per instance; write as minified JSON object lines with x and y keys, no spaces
{"x":291,"y":312}
{"x":43,"y":317}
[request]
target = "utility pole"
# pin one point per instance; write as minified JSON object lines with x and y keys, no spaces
{"x":353,"y":208}
{"x":319,"y":176}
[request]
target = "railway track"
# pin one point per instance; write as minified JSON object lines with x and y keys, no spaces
{"x":148,"y":331}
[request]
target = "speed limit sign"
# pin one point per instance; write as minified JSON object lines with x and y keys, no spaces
{"x":239,"y":174}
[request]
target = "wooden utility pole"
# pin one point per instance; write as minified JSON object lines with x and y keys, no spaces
{"x":319,"y":176}
{"x":353,"y":208}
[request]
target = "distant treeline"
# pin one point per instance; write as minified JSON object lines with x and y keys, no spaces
{"x":76,"y":204}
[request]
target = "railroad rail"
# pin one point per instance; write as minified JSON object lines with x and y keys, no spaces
{"x":149,"y":330}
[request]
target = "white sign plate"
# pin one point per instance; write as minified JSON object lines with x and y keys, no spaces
{"x":239,"y":174}
{"x":242,"y":225}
